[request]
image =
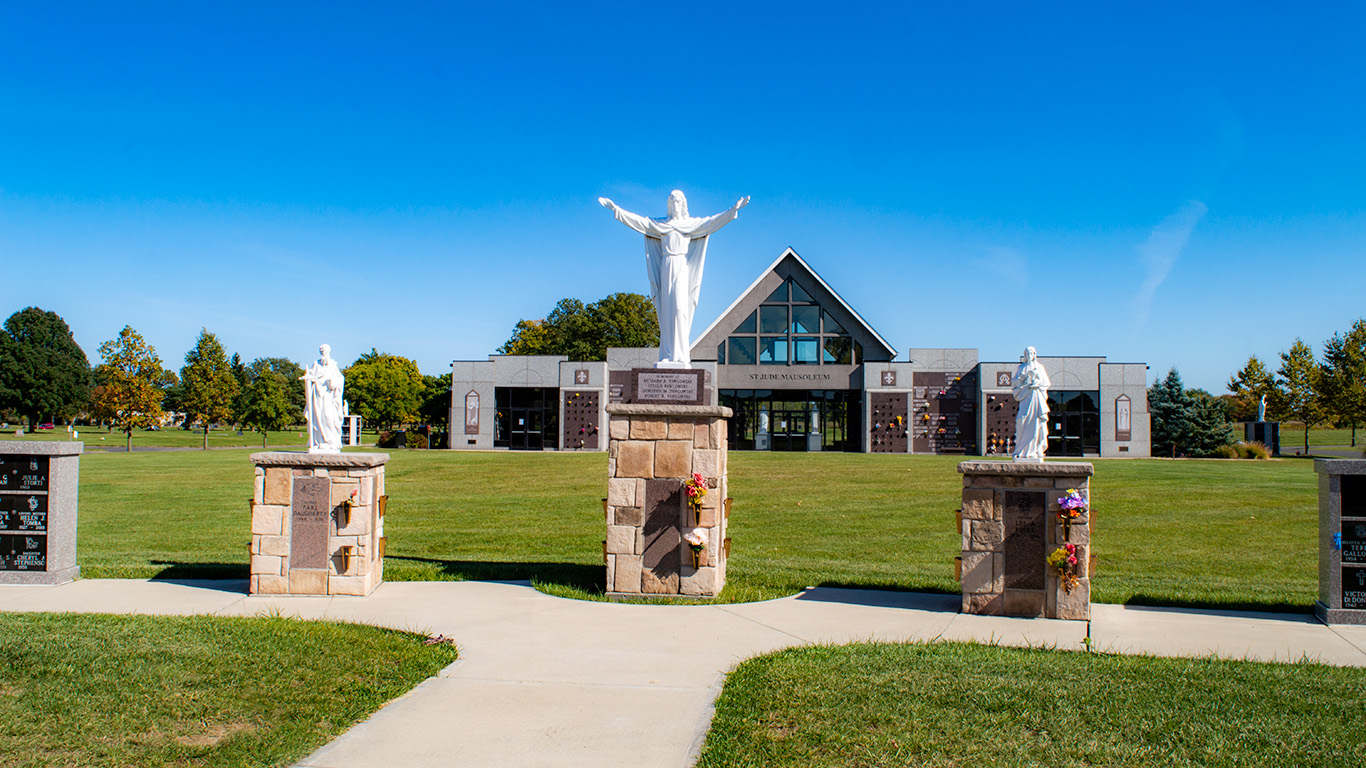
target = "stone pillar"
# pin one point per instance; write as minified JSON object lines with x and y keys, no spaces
{"x":317,"y":523}
{"x":1009,"y":524}
{"x":652,"y":451}
{"x":1342,"y":541}
{"x":38,"y":484}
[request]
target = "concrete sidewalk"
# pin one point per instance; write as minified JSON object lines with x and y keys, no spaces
{"x":544,"y":681}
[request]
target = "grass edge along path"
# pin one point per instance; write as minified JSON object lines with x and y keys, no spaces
{"x":193,"y":690}
{"x":955,"y":704}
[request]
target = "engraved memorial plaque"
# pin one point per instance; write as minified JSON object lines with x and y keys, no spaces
{"x":1354,"y":588}
{"x":309,"y":522}
{"x":1353,"y":543}
{"x":1024,"y":541}
{"x":1122,"y":415}
{"x":23,"y":473}
{"x":472,"y":413}
{"x":23,"y":513}
{"x":673,"y":387}
{"x":23,"y":552}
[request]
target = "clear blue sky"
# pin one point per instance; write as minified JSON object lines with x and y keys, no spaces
{"x":1179,"y":184}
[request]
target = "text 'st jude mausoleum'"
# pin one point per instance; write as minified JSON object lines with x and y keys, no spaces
{"x":803,"y":371}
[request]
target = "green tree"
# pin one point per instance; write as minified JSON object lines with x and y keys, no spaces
{"x":266,"y":405}
{"x":584,"y":332}
{"x":436,"y":401}
{"x":1344,"y":376}
{"x":383,"y":388}
{"x":208,"y":383}
{"x":1249,"y":385}
{"x":290,"y":375}
{"x":126,"y":391}
{"x":1185,"y":422}
{"x":1300,"y":378}
{"x":43,"y":372}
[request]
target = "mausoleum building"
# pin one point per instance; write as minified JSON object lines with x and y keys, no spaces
{"x":804,"y":371}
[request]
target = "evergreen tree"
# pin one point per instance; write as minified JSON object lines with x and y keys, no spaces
{"x":1344,"y":376}
{"x":1249,"y":385}
{"x":1185,"y":422}
{"x":1300,"y":378}
{"x":43,"y":372}
{"x":208,"y":383}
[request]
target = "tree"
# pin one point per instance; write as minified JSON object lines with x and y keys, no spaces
{"x":1185,"y":422}
{"x":584,"y":332}
{"x":43,"y":372}
{"x":126,"y":392}
{"x":1248,"y":386}
{"x":1300,"y":378}
{"x":384,"y":388}
{"x":290,"y":375}
{"x":1344,"y":376}
{"x":436,"y":401}
{"x":266,"y":405}
{"x":208,"y":383}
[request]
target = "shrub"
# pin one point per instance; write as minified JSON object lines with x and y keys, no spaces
{"x":386,"y":439}
{"x":1227,"y":452}
{"x":416,"y":439}
{"x":1254,"y":450}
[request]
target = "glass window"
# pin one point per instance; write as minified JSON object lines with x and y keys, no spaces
{"x":773,"y":350}
{"x":806,"y":319}
{"x":721,"y":353}
{"x":748,"y":325}
{"x":798,"y":295}
{"x":742,"y":350}
{"x":804,"y":351}
{"x":858,"y":353}
{"x":830,"y":325}
{"x":838,"y":350}
{"x":773,"y":319}
{"x":779,"y":295}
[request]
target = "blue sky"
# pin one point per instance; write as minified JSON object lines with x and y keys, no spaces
{"x":1169,"y":184}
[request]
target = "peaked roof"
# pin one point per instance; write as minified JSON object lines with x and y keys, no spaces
{"x":789,"y":253}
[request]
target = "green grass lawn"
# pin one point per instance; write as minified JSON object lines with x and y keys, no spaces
{"x":951,"y":704}
{"x":193,"y":691}
{"x":1292,"y":438}
{"x":1234,"y":534}
{"x":171,"y":437}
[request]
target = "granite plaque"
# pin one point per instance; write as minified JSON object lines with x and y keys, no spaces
{"x":1353,"y":495}
{"x":678,"y":387}
{"x":1353,"y":542}
{"x":1024,"y":543}
{"x":663,"y":525}
{"x":22,"y":552}
{"x":1354,"y":588}
{"x":23,"y":473}
{"x":23,"y":513}
{"x":310,"y":519}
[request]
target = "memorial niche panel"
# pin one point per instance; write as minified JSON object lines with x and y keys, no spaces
{"x":1024,"y":540}
{"x":1354,"y":588}
{"x":22,"y":552}
{"x":23,"y":473}
{"x":1353,"y":542}
{"x":887,"y":428}
{"x":581,"y":420}
{"x":944,"y":412}
{"x":1353,"y":496}
{"x":310,"y":520}
{"x":23,"y":513}
{"x":1001,"y":411}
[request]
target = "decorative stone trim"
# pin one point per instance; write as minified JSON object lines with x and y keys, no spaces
{"x":652,"y":453}
{"x":317,"y":523}
{"x":1008,"y":523}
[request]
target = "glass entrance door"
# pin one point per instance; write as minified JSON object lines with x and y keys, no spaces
{"x":526,"y":429}
{"x":789,"y":430}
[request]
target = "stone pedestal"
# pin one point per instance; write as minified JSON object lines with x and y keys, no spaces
{"x":653,"y":451}
{"x":1342,"y":541}
{"x":317,"y":523}
{"x":38,"y":484}
{"x":1009,"y":524}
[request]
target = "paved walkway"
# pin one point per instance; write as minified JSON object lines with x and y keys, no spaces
{"x":544,"y":681}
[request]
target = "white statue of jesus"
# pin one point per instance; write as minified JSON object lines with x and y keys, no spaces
{"x":324,"y":406}
{"x":1030,"y":386}
{"x":675,"y":251}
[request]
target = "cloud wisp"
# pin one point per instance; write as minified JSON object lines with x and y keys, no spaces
{"x":1158,"y":254}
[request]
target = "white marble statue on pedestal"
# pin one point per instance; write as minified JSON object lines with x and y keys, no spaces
{"x":675,"y":250}
{"x":1030,"y":387}
{"x":324,"y":407}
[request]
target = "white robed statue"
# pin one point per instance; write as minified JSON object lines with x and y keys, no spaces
{"x":1030,"y":387}
{"x":324,"y":407}
{"x":675,"y":251}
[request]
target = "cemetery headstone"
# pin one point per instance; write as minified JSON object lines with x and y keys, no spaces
{"x":38,"y":511}
{"x":1342,"y":541}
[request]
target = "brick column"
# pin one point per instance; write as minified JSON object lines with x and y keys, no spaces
{"x":652,"y":451}
{"x":1009,"y":525}
{"x":309,"y":534}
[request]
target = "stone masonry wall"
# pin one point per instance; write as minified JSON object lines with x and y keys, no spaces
{"x":652,"y":451}
{"x":302,"y":551}
{"x":1009,"y":525}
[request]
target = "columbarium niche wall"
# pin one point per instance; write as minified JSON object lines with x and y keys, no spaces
{"x":1009,"y":526}
{"x":317,"y":523}
{"x":653,"y":450}
{"x":1342,"y":541}
{"x":38,"y":492}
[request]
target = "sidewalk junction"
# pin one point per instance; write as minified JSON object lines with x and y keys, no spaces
{"x":546,"y":681}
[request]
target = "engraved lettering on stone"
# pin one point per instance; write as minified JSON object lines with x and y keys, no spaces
{"x":1024,"y":540}
{"x":23,"y":513}
{"x":309,"y":522}
{"x":667,"y":386}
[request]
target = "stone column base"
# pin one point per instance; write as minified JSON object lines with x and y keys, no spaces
{"x":317,"y":523}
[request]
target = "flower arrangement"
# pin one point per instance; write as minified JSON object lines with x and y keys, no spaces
{"x":697,"y":542}
{"x":353,"y":499}
{"x":696,"y":488}
{"x":1064,"y":559}
{"x":1073,"y":506}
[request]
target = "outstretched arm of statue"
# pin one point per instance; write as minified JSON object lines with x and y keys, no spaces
{"x":642,"y":224}
{"x":608,"y":204}
{"x":741,"y":203}
{"x":712,"y":223}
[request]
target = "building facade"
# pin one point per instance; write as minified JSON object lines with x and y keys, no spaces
{"x":803,"y":371}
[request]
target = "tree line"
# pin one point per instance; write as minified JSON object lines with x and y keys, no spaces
{"x":46,"y":376}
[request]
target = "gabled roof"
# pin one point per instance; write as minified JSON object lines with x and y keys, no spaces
{"x":786,"y":254}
